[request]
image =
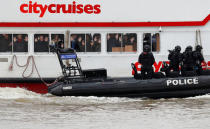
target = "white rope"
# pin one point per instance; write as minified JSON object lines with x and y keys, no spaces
{"x":30,"y":58}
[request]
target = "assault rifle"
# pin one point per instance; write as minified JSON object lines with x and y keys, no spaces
{"x":170,"y":51}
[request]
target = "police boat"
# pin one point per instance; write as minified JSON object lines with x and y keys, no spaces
{"x":94,"y":82}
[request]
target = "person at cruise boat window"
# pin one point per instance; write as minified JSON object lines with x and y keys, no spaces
{"x":188,"y":59}
{"x":78,"y":44}
{"x":91,"y":47}
{"x":88,"y":39}
{"x":135,"y":44}
{"x":59,"y":45}
{"x":154,"y":42}
{"x":117,"y":40}
{"x":82,"y":46}
{"x":132,"y":41}
{"x":56,"y":40}
{"x":26,"y":39}
{"x":113,"y":40}
{"x":146,"y":59}
{"x":97,"y":43}
{"x":20,"y":44}
{"x":5,"y":43}
{"x":198,"y":57}
{"x":73,"y":41}
{"x":46,"y":39}
{"x":109,"y":43}
{"x":175,"y":58}
{"x":125,"y":40}
{"x":41,"y":44}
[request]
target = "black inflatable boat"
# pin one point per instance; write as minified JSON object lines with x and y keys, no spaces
{"x":78,"y":82}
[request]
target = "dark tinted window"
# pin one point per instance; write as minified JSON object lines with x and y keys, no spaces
{"x":118,"y":42}
{"x":93,"y":42}
{"x":86,"y":42}
{"x":57,"y":40}
{"x":41,"y":43}
{"x":153,"y":40}
{"x":5,"y":42}
{"x":20,"y":43}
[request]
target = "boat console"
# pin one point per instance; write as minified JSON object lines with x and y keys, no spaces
{"x":71,"y":67}
{"x":69,"y":70}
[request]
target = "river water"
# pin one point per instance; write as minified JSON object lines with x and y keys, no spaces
{"x":22,"y":109}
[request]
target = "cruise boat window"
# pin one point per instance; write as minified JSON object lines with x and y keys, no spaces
{"x":20,"y":43}
{"x":86,"y":42}
{"x":152,"y":40}
{"x":5,"y":42}
{"x":129,"y":42}
{"x":57,"y":40}
{"x":41,"y":43}
{"x":77,"y":42}
{"x":118,"y":42}
{"x":93,"y":42}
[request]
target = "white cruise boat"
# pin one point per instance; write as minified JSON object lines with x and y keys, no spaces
{"x":106,"y":34}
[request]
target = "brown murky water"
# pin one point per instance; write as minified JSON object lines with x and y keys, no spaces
{"x":21,"y":109}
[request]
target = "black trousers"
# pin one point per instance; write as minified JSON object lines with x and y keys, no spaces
{"x":147,"y":72}
{"x":188,"y":67}
{"x":175,"y":67}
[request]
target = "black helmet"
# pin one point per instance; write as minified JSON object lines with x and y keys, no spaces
{"x":198,"y":48}
{"x":146,"y":48}
{"x":188,"y":48}
{"x":178,"y":48}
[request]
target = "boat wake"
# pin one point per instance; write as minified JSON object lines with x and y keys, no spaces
{"x":207,"y":96}
{"x":29,"y":96}
{"x":23,"y":94}
{"x":17,"y":93}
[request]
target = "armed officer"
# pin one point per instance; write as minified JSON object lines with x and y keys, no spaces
{"x":198,"y":59}
{"x":146,"y":59}
{"x":188,"y":59}
{"x":175,"y":58}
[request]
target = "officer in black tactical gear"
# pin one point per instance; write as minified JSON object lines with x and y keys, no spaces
{"x":146,"y":59}
{"x":175,"y":58}
{"x":198,"y":59}
{"x":188,"y":59}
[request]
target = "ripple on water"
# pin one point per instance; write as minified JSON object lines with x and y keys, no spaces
{"x":47,"y":111}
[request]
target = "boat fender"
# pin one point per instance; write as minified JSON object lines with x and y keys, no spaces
{"x":186,"y":81}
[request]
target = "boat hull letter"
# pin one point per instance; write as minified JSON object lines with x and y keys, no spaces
{"x":180,"y":82}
